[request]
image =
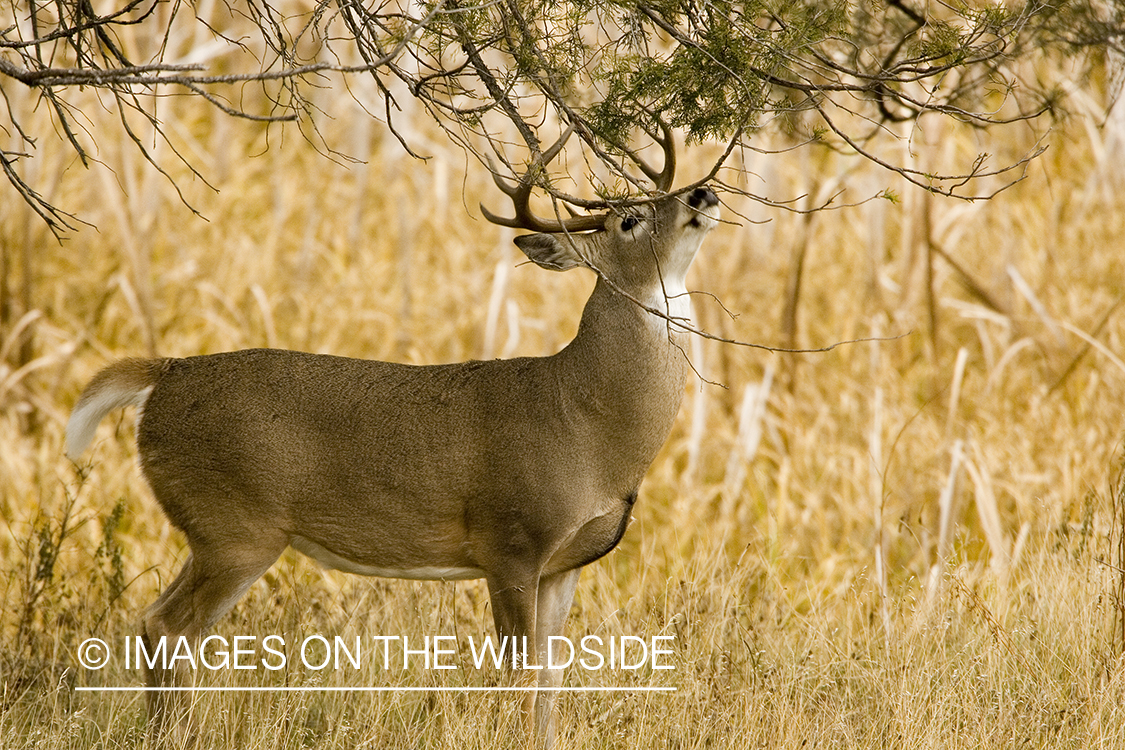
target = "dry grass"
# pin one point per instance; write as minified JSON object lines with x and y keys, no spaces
{"x":907,"y":543}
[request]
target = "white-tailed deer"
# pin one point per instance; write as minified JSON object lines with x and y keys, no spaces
{"x":517,"y":471}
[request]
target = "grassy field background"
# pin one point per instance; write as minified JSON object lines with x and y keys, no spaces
{"x":912,"y":542}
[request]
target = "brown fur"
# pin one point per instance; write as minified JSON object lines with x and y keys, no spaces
{"x":519,"y":471}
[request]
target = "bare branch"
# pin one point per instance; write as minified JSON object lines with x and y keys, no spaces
{"x":622,"y":76}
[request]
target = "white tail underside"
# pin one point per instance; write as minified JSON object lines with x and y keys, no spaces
{"x":93,"y":407}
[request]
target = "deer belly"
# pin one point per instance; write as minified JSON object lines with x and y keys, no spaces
{"x":334,"y":561}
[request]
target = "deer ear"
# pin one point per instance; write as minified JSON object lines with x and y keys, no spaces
{"x":549,"y":252}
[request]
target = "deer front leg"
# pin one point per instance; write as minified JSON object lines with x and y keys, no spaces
{"x":556,"y":595}
{"x":514,"y":601}
{"x":530,"y":613}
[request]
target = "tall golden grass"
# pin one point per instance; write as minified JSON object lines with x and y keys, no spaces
{"x":910,"y":542}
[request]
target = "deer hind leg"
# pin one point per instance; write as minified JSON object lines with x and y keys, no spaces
{"x":556,"y":595}
{"x":208,"y":585}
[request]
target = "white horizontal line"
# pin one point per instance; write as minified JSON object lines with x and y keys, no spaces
{"x":300,"y":689}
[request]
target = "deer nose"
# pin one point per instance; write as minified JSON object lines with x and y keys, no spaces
{"x":703,"y":197}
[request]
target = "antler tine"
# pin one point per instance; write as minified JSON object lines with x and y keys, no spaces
{"x":662,"y":179}
{"x":554,"y":149}
{"x":520,"y":194}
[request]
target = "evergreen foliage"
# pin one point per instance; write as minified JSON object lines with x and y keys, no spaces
{"x":496,"y":74}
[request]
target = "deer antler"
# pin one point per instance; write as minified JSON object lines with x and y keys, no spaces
{"x":520,"y":193}
{"x":662,"y":179}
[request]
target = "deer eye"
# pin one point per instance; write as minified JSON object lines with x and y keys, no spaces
{"x":628,"y":223}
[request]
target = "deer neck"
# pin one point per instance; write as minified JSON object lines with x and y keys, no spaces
{"x":626,"y":369}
